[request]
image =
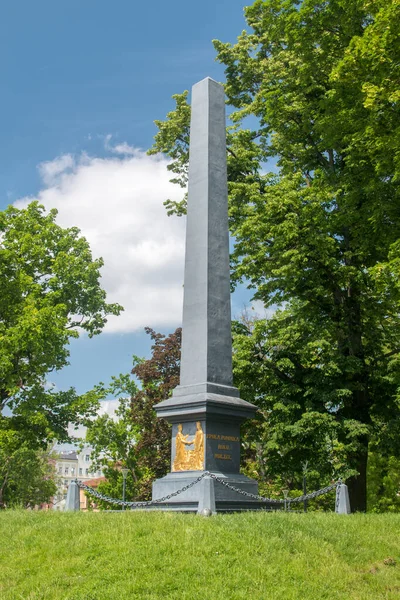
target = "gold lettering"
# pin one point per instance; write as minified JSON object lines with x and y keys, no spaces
{"x":223,"y":456}
{"x":224,"y":438}
{"x":224,"y":447}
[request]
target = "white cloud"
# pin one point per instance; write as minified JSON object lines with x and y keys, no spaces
{"x":256,"y":309}
{"x":107,"y":407}
{"x":260,"y":311}
{"x":123,"y":148}
{"x":50,"y":171}
{"x":117,"y":204}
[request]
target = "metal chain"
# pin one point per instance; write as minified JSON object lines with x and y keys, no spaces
{"x":243,"y":493}
{"x":144,"y":504}
{"x":310,"y":496}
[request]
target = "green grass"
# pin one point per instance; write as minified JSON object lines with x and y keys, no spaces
{"x":148,"y":556}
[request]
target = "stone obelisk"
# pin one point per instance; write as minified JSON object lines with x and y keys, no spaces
{"x":205,"y":409}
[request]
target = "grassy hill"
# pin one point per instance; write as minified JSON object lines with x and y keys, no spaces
{"x":148,"y":556}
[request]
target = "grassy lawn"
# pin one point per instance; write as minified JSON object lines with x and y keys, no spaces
{"x":257,"y":556}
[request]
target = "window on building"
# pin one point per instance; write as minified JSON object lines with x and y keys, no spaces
{"x":87,"y":457}
{"x":80,"y":471}
{"x":72,"y":470}
{"x":65,"y":481}
{"x":60,"y":470}
{"x":87,"y":471}
{"x":66,"y":470}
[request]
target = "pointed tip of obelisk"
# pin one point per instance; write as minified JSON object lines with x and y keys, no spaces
{"x":207,"y":80}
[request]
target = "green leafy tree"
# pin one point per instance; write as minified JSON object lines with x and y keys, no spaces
{"x":50,"y":292}
{"x":157,"y":376}
{"x":321,"y":237}
{"x":113,"y":441}
{"x":136,"y":438}
{"x":383,"y":483}
{"x":27,"y":476}
{"x":279,"y":367}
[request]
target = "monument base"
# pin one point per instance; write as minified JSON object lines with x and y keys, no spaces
{"x":205,"y":438}
{"x":226,"y":500}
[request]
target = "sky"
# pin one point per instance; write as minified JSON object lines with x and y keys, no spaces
{"x":82,"y":83}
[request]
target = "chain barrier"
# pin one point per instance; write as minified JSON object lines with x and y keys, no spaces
{"x":139,"y":504}
{"x":287,"y":501}
{"x":143,"y":504}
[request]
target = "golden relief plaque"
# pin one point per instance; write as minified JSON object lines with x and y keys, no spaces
{"x":185,"y":459}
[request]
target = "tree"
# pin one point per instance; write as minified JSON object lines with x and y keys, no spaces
{"x":27,"y":476}
{"x":137,"y":439}
{"x":383,"y":483}
{"x":113,"y":441}
{"x":50,"y":292}
{"x":277,"y":365}
{"x":321,"y":237}
{"x":158,"y":376}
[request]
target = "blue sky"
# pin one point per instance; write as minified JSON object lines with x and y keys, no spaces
{"x":83,"y":82}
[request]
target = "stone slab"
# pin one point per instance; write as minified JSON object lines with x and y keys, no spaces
{"x":197,"y":406}
{"x":212,"y":388}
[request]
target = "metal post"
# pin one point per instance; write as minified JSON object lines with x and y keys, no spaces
{"x":305,"y":469}
{"x":285,"y":493}
{"x":125,"y":472}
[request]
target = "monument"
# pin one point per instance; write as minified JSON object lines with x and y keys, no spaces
{"x":205,"y":409}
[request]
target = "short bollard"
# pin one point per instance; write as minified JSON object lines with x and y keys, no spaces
{"x":72,"y":502}
{"x":342,"y":500}
{"x":207,"y":497}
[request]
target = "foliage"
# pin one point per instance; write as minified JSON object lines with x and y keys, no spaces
{"x":158,"y":376}
{"x":158,"y":555}
{"x":173,"y":139}
{"x":27,"y":476}
{"x":292,"y":388}
{"x":113,"y":442}
{"x":383,"y":483}
{"x":50,"y":292}
{"x":321,"y":237}
{"x":137,"y":439}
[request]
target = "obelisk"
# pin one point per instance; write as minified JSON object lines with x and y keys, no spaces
{"x":205,"y":409}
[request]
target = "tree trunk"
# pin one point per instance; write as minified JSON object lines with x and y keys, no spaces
{"x":2,"y":488}
{"x":359,"y":382}
{"x":358,"y":485}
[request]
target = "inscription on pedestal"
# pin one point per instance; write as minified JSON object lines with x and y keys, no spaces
{"x":222,"y":447}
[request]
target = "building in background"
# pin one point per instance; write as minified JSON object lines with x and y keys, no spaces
{"x":70,"y":465}
{"x":87,"y":503}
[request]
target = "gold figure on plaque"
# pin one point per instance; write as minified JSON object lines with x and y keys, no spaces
{"x":180,"y":452}
{"x":189,"y":460}
{"x":196,"y":459}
